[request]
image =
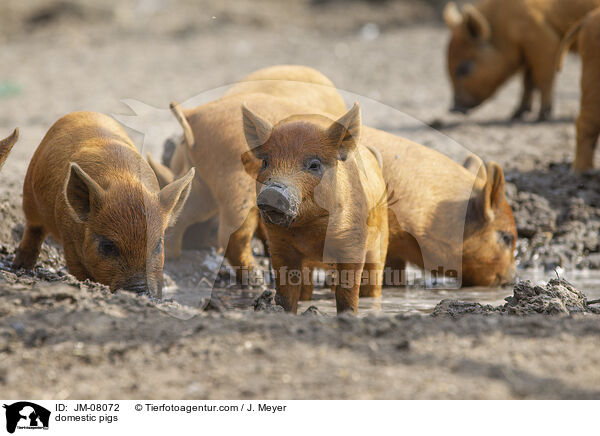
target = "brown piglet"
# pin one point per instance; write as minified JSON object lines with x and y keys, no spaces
{"x":323,"y":200}
{"x":587,"y":34}
{"x":494,"y":39}
{"x":446,"y":218}
{"x":90,"y":189}
{"x":6,"y":145}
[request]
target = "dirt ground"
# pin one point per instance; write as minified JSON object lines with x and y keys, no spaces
{"x":60,"y":338}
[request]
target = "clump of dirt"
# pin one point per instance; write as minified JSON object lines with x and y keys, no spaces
{"x":557,"y":297}
{"x":455,"y":308}
{"x":266,"y":302}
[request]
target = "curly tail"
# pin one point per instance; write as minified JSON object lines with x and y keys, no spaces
{"x":566,"y":43}
{"x":188,"y":135}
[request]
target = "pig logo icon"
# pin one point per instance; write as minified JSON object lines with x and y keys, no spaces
{"x":26,"y":415}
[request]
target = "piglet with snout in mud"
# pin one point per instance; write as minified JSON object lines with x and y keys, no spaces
{"x":6,"y":145}
{"x":323,"y":200}
{"x":90,"y":189}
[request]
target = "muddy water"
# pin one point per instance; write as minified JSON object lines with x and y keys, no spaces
{"x":185,"y":287}
{"x":421,"y":300}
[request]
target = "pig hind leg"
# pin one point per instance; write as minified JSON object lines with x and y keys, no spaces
{"x":540,"y":57}
{"x":346,"y":294}
{"x":307,"y":287}
{"x":75,"y":266}
{"x":588,"y":120}
{"x":372,"y":275}
{"x":29,"y":248}
{"x":287,"y":264}
{"x":239,"y":249}
{"x":587,"y":137}
{"x":526,"y":97}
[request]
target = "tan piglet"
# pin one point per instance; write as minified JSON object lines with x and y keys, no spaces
{"x":90,"y":189}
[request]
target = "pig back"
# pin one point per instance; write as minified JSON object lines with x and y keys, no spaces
{"x":300,"y":84}
{"x":98,"y":144}
{"x":430,"y":191}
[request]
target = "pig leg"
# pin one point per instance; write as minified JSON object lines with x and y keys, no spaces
{"x":239,"y":249}
{"x":540,"y":57}
{"x":588,"y":120}
{"x":199,"y":207}
{"x":29,"y":248}
{"x":347,"y":290}
{"x":174,"y":235}
{"x":287,"y":264}
{"x":75,"y":266}
{"x":174,"y":240}
{"x":587,"y":136}
{"x":526,"y":97}
{"x":373,"y":270}
{"x":546,"y":105}
{"x":306,"y":290}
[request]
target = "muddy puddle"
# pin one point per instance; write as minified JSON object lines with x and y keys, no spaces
{"x":421,"y":300}
{"x":188,"y":287}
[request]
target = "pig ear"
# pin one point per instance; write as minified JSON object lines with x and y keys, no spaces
{"x":163,"y":173}
{"x":483,"y":204}
{"x":452,"y":15}
{"x":257,"y":129}
{"x":173,"y":196}
{"x":477,"y":25}
{"x":82,"y":193}
{"x":345,"y":132}
{"x":475,"y":165}
{"x":495,"y":185}
{"x":7,"y":144}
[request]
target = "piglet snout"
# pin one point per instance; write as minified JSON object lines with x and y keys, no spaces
{"x":278,"y":204}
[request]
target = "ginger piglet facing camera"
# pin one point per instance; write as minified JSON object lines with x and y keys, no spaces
{"x":6,"y":145}
{"x":90,"y":189}
{"x":323,"y":200}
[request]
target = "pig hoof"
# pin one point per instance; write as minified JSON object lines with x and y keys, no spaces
{"x":520,"y":113}
{"x":21,"y":263}
{"x":544,"y":115}
{"x":580,"y":169}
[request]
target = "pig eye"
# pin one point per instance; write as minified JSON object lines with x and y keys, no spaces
{"x":265,"y":164}
{"x":507,"y":238}
{"x":107,"y":248}
{"x":465,"y":68}
{"x":314,"y":166}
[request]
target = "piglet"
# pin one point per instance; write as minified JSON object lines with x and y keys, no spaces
{"x":90,"y":189}
{"x":323,"y":201}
